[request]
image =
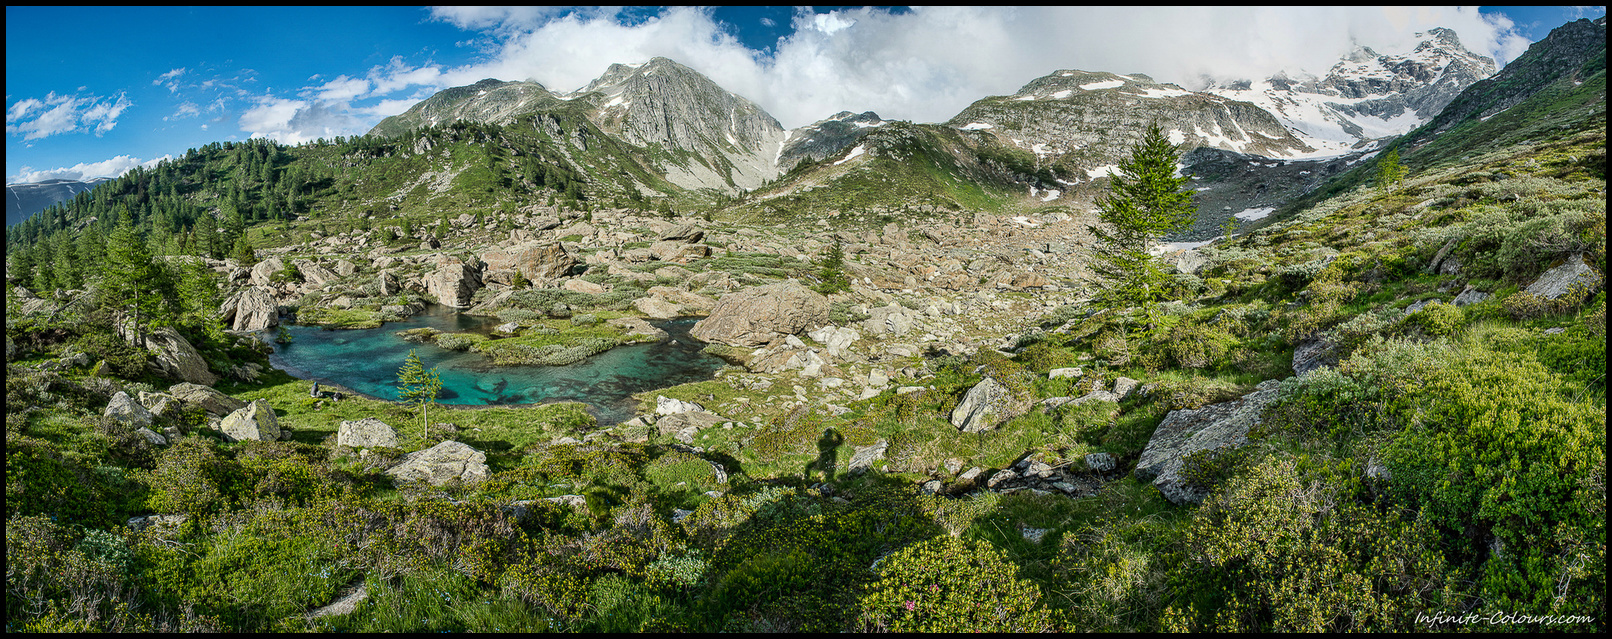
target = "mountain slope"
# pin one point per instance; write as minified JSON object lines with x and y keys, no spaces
{"x":28,"y":198}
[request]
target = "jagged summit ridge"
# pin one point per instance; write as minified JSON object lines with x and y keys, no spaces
{"x":1367,"y":95}
{"x":1082,"y":121}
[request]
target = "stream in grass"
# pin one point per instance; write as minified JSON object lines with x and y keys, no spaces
{"x":367,"y":361}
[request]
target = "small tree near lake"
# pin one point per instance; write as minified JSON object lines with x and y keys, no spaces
{"x":417,"y":386}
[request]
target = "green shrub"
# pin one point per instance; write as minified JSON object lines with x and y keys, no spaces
{"x":192,"y":478}
{"x":1437,"y":319}
{"x":122,"y":359}
{"x":947,"y":584}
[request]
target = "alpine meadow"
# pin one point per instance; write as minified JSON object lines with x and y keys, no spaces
{"x":1315,"y":352}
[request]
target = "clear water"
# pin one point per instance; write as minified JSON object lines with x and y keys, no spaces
{"x":367,"y":361}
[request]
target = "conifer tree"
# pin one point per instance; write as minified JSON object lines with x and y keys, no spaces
{"x":1390,"y":173}
{"x":419,"y":387}
{"x":1145,"y":201}
{"x":131,"y":284}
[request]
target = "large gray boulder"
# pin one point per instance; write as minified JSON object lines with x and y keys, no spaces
{"x":264,"y":271}
{"x":256,"y":422}
{"x":1576,"y":273}
{"x":252,"y":309}
{"x":453,"y":283}
{"x":1186,"y":431}
{"x":536,"y":261}
{"x":986,"y":406}
{"x":124,"y":409}
{"x":754,"y":316}
{"x":442,"y":463}
{"x":364,"y":433}
{"x":175,"y":357}
{"x":208,"y":399}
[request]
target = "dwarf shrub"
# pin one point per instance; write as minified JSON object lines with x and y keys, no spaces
{"x":947,"y":584}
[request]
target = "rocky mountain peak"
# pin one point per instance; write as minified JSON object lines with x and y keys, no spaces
{"x":1367,"y":95}
{"x":731,"y":141}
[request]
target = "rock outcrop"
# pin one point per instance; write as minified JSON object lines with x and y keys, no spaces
{"x":1559,"y":281}
{"x":753,"y":317}
{"x":175,"y":357}
{"x":364,"y":433}
{"x":124,"y":409}
{"x":255,"y":422}
{"x":986,"y":406}
{"x":453,"y":283}
{"x":442,"y":463}
{"x":538,"y":262}
{"x":208,"y":399}
{"x":251,"y":309}
{"x":1184,"y":432}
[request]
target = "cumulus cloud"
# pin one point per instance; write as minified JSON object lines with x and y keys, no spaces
{"x":928,"y":64}
{"x":925,"y":65}
{"x":114,"y":167}
{"x":33,"y":118}
{"x":298,"y":121}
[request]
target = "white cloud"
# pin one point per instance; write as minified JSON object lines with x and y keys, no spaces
{"x":35,"y":119}
{"x":184,"y":110}
{"x":114,"y":167}
{"x":928,"y":64}
{"x":298,"y":121}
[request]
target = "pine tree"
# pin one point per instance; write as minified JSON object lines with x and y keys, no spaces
{"x":1145,"y":201}
{"x":419,"y":387}
{"x":131,"y":283}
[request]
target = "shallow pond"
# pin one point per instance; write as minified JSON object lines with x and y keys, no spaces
{"x":367,"y":361}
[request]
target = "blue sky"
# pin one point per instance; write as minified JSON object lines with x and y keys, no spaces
{"x":96,"y":93}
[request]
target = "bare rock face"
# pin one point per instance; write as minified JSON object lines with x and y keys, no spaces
{"x":1317,"y":352}
{"x":208,"y":399}
{"x":1183,"y":432}
{"x":986,"y":406}
{"x":126,"y":410}
{"x":265,"y":270}
{"x":440,"y":464}
{"x":252,"y":309}
{"x":453,"y":283}
{"x":364,"y":433}
{"x":536,"y":261}
{"x":256,"y":422}
{"x":175,"y":357}
{"x":752,"y":317}
{"x":1559,"y":281}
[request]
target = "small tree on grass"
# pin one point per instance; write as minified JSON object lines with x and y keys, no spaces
{"x":418,"y":387}
{"x":1390,"y":172}
{"x":1145,"y":201}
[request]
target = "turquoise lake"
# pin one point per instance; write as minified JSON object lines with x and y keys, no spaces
{"x":367,"y":360}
